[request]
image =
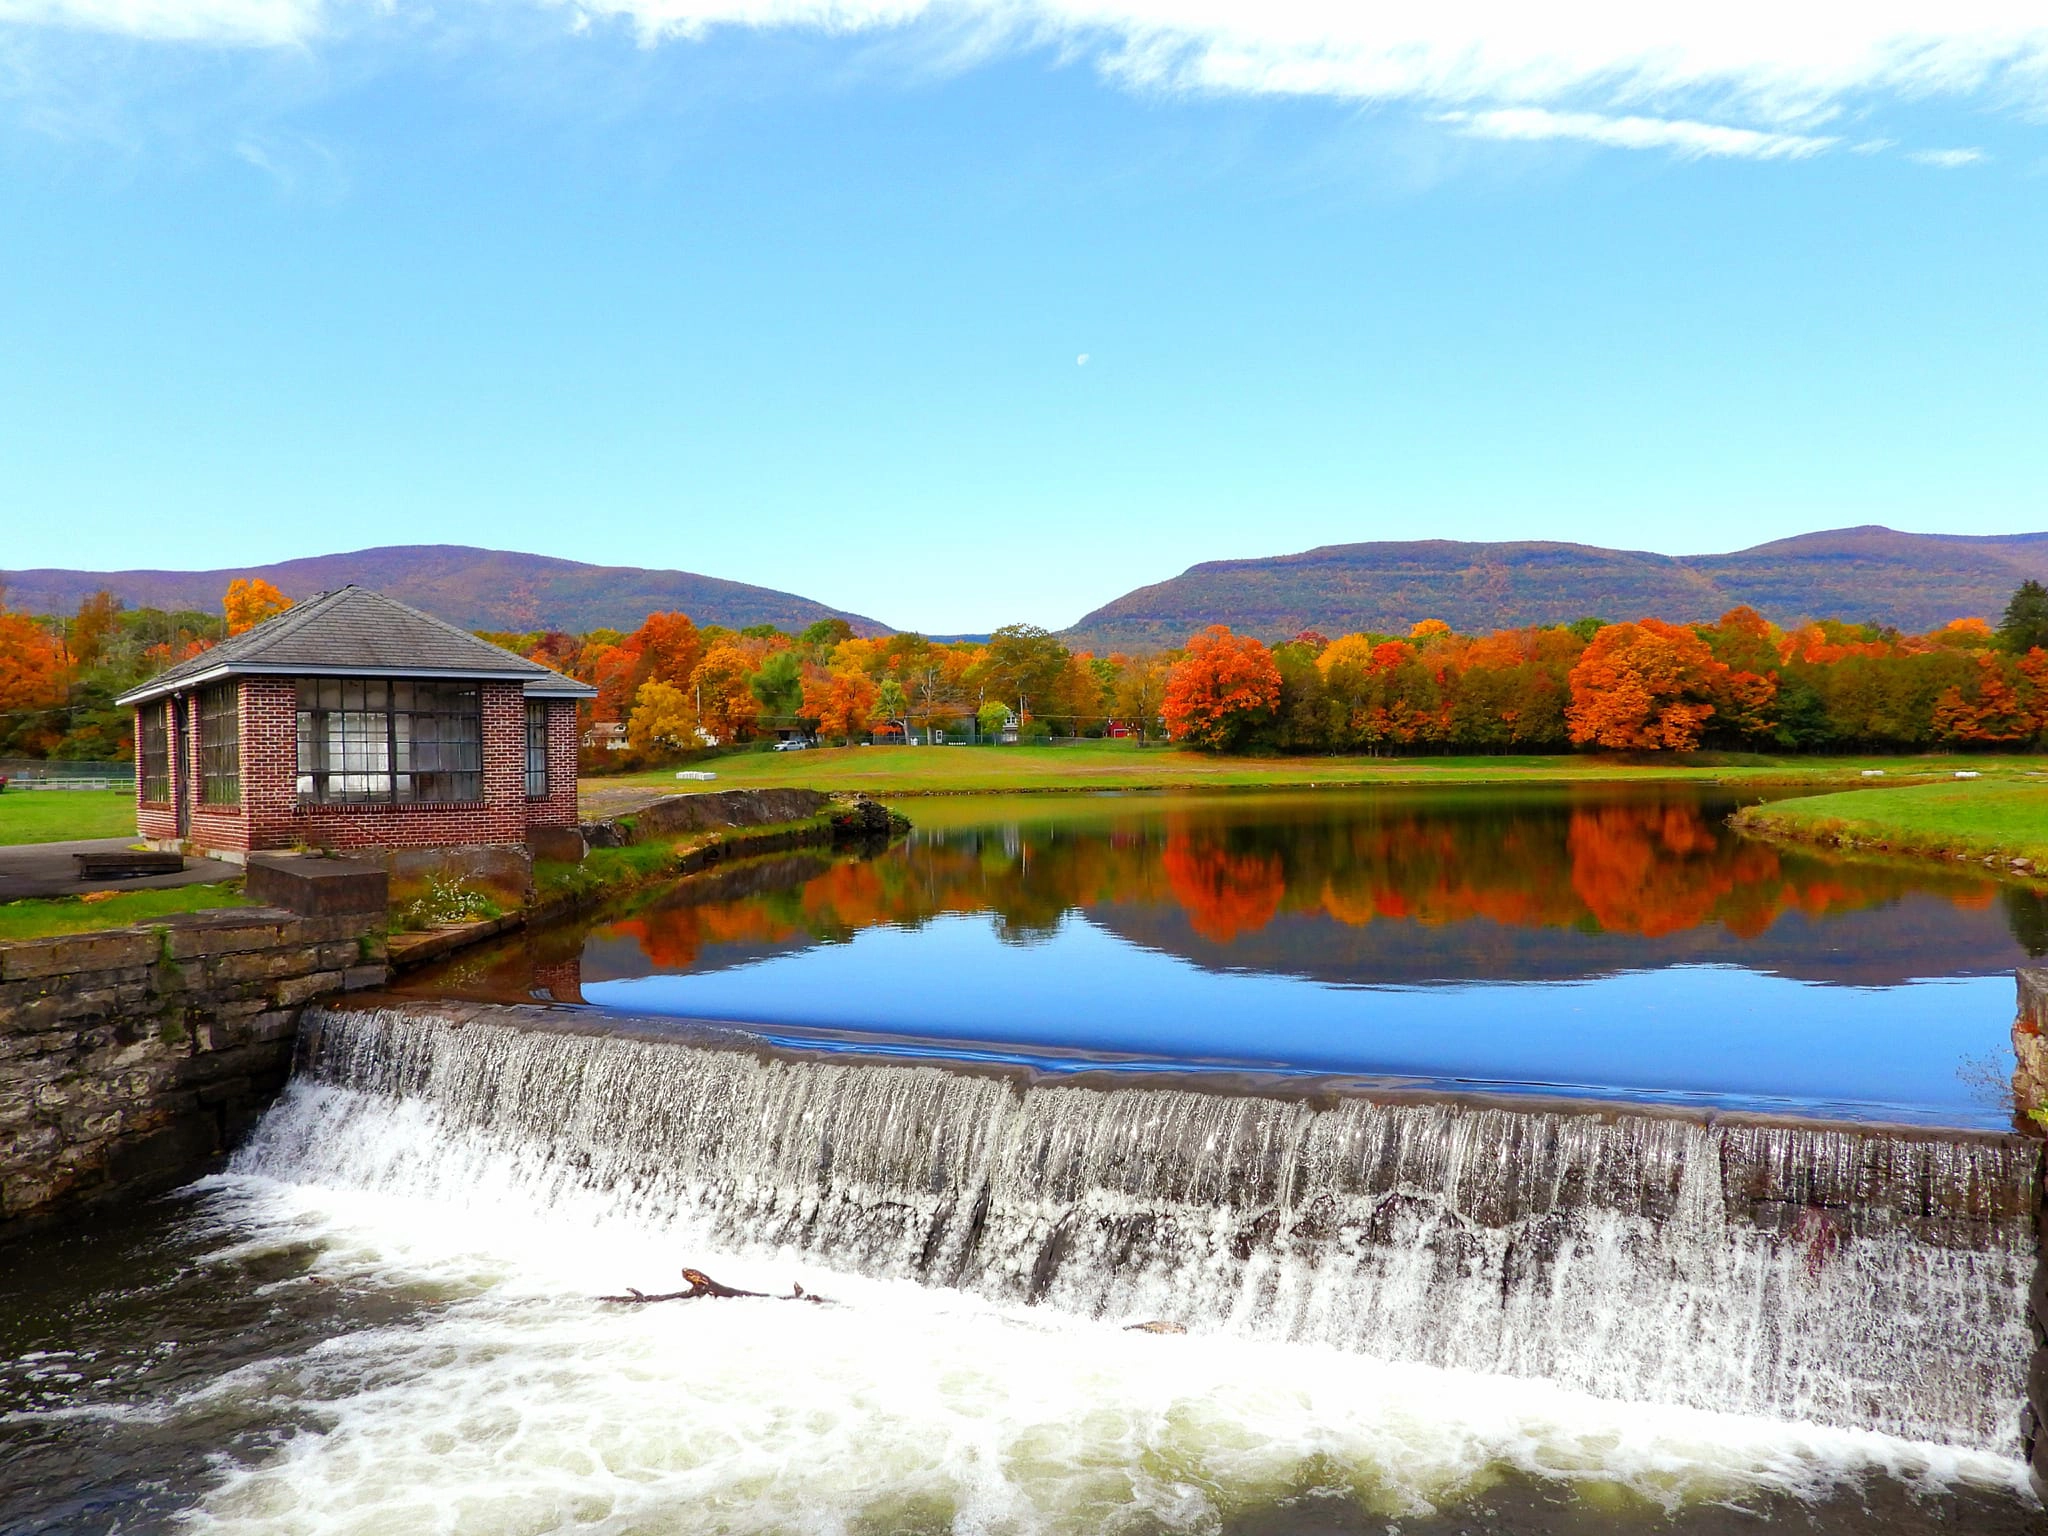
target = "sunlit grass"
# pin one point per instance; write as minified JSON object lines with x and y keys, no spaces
{"x":64,"y":815}
{"x":1974,"y":817}
{"x":1116,"y":765}
{"x":39,"y":919}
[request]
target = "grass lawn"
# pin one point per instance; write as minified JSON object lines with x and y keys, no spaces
{"x":1113,"y":765}
{"x":75,"y":914}
{"x":64,"y":815}
{"x":1975,"y":817}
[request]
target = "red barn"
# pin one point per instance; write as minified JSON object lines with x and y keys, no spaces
{"x":353,"y":721}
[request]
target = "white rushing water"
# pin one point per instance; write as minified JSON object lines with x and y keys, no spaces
{"x":1398,"y":1303}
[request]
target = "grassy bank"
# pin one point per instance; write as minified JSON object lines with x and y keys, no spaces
{"x":1975,"y":818}
{"x":901,"y":771}
{"x":46,"y":918}
{"x":65,"y":815}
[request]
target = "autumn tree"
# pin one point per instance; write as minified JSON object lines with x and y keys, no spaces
{"x":94,"y":626}
{"x":724,"y":701}
{"x":1141,"y":693}
{"x":1023,"y":663}
{"x":32,"y":679}
{"x":663,"y":720}
{"x":1643,"y":686}
{"x":249,"y":601}
{"x":1222,"y":690}
{"x":843,"y":703}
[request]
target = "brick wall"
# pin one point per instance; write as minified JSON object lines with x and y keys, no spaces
{"x":559,"y":808}
{"x":131,"y":1059}
{"x":270,"y":815}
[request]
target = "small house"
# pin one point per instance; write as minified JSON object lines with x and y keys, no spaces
{"x":354,"y":722}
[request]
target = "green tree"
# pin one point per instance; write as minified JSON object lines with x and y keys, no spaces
{"x":2025,"y":624}
{"x":1024,"y":663}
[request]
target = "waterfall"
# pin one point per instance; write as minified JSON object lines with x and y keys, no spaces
{"x":1854,"y":1277}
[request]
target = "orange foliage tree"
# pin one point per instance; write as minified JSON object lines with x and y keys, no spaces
{"x":1643,"y":686}
{"x":1223,"y":689}
{"x":726,"y":706}
{"x":32,"y":672}
{"x":249,"y":602}
{"x":841,"y":702}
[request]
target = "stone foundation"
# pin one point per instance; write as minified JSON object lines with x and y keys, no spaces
{"x":132,"y":1059}
{"x":2030,"y":1098}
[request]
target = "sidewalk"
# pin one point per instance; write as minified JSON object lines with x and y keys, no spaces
{"x":46,"y":869}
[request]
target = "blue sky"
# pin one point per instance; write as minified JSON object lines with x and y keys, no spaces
{"x":798,"y":294}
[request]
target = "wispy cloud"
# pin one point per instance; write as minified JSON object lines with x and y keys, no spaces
{"x":1948,"y":159}
{"x":1749,"y":78}
{"x":1680,"y":136}
{"x":247,"y":23}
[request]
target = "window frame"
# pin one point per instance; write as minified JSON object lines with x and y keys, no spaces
{"x":153,"y":753}
{"x":220,"y":744}
{"x":375,"y":724}
{"x":537,"y":720}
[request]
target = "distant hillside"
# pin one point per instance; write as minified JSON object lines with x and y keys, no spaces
{"x":1912,"y":580}
{"x":476,"y":588}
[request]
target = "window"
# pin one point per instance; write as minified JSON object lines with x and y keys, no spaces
{"x":220,"y":745}
{"x":153,"y":752}
{"x":397,"y":743}
{"x":536,"y":749}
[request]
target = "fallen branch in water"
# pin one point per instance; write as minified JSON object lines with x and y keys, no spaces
{"x":702,"y":1286}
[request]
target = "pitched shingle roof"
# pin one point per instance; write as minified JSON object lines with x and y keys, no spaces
{"x":358,"y":633}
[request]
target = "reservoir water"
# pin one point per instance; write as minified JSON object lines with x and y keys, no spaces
{"x":1277,"y":1076}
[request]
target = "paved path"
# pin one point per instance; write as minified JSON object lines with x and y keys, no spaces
{"x":46,"y":869}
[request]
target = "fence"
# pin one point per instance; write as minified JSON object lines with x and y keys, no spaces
{"x":44,"y":773}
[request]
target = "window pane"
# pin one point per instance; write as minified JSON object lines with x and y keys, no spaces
{"x":405,"y":743}
{"x":220,"y":745}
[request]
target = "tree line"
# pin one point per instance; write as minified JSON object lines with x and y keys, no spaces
{"x":672,"y":686}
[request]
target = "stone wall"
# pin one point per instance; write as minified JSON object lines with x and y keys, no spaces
{"x":131,"y":1059}
{"x":2030,"y":1096}
{"x":674,"y":815}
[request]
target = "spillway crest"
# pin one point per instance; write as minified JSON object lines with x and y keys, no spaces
{"x":1848,"y":1277}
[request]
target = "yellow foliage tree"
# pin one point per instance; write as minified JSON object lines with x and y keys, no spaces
{"x":250,"y":601}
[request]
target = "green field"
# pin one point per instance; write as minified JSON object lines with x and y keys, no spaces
{"x":1112,"y":765}
{"x":1978,"y":818}
{"x":64,"y":815}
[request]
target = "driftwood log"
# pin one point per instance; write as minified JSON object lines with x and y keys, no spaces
{"x":702,"y":1287}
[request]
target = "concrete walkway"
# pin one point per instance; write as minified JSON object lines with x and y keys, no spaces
{"x":46,"y":869}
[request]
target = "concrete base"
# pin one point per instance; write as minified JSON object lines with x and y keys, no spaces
{"x":313,"y":886}
{"x":563,"y":845}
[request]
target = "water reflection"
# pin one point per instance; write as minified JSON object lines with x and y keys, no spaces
{"x":1601,"y":942}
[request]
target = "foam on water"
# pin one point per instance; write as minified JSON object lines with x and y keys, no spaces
{"x":519,"y":1406}
{"x":1395,"y":1310}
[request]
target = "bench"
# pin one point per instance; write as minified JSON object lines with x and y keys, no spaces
{"x":127,"y":864}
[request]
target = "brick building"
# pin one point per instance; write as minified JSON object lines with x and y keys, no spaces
{"x":354,"y":722}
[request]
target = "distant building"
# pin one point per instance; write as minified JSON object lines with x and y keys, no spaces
{"x":606,"y":736}
{"x":354,"y":721}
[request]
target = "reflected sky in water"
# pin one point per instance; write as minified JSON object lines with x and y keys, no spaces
{"x":1588,"y":942}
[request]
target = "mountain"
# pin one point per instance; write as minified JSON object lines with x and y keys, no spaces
{"x":1912,"y":580}
{"x":476,"y":588}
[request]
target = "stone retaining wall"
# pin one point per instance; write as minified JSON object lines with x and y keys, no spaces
{"x":2030,"y":1096}
{"x":131,"y":1059}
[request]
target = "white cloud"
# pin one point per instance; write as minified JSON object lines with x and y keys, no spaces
{"x":1755,"y":78}
{"x":1947,"y":159}
{"x":1687,"y":139}
{"x":1779,"y":65}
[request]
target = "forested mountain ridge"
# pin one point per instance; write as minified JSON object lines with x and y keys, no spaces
{"x":476,"y":588}
{"x":1913,"y":581}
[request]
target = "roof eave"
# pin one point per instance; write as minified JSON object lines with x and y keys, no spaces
{"x":158,"y":687}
